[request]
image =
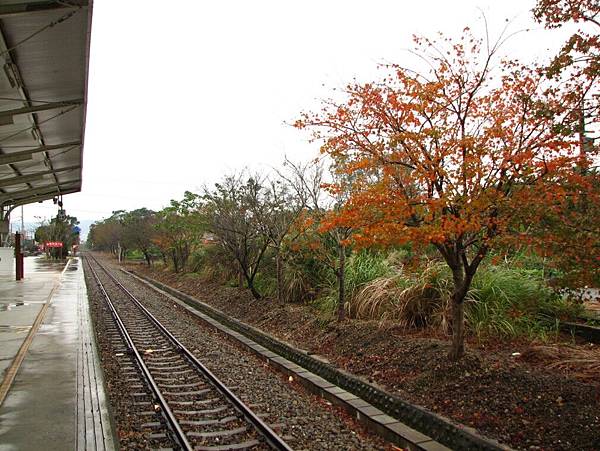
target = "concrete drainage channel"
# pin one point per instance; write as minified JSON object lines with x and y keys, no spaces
{"x":385,"y":414}
{"x":589,"y":333}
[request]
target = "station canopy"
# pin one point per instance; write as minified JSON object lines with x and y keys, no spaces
{"x":44,"y":55}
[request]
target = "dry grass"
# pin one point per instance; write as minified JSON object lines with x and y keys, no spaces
{"x":409,"y":300}
{"x":580,"y":363}
{"x":297,"y":286}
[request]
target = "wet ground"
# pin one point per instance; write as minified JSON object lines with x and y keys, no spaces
{"x":56,"y":401}
{"x":20,"y":303}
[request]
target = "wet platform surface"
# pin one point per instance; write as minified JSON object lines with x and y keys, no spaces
{"x":57,"y":399}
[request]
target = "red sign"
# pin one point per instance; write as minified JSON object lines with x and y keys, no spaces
{"x":54,"y":244}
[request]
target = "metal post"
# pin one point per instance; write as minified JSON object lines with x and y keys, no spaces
{"x":4,"y":226}
{"x":23,"y":226}
{"x":18,"y":257}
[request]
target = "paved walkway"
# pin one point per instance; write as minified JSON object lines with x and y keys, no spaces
{"x":56,"y":400}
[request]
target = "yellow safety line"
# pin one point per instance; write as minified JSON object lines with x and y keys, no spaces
{"x":11,"y":373}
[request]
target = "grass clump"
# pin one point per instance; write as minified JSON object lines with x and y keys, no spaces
{"x":361,"y":269}
{"x":410,"y":299}
{"x":506,"y":300}
{"x":364,"y":267}
{"x":510,"y":301}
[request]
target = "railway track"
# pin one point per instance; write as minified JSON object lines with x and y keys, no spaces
{"x":193,"y":408}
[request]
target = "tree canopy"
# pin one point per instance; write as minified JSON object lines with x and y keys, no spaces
{"x":448,"y":157}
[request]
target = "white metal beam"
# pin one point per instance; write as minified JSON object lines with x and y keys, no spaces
{"x":32,"y":177}
{"x":24,"y":155}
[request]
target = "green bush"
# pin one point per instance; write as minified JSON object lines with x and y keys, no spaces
{"x":306,"y":278}
{"x":363,"y":267}
{"x":408,"y":298}
{"x":508,"y":299}
{"x":213,"y":264}
{"x":265,"y":284}
{"x":513,"y":301}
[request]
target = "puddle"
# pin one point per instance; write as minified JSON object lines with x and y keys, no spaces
{"x":11,"y":329}
{"x":12,"y":306}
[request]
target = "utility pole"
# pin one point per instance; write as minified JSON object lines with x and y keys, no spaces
{"x":23,"y":225}
{"x":18,"y":257}
{"x":582,"y":137}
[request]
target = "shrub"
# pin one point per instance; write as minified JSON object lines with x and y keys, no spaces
{"x":411,"y":299}
{"x":305,"y":278}
{"x":265,"y":283}
{"x":511,"y":301}
{"x":363,"y":267}
{"x":213,"y":264}
{"x":505,"y":299}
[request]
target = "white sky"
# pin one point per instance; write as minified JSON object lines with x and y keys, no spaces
{"x":181,"y":92}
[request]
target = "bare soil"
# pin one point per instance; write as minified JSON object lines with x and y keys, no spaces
{"x":525,"y":394}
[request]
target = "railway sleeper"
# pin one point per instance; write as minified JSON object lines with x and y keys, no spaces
{"x":180,"y":373}
{"x":219,"y":434}
{"x":170,"y":368}
{"x":233,"y":447}
{"x":161,"y":360}
{"x":182,"y":386}
{"x":187,"y":393}
{"x":201,"y":412}
{"x":152,"y":425}
{"x":194,"y":403}
{"x":224,"y":420}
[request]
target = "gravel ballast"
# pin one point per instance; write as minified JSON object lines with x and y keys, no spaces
{"x":303,"y":420}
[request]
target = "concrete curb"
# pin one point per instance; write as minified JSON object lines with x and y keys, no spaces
{"x":590,"y":333}
{"x":396,"y":420}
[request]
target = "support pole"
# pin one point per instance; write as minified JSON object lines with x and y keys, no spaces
{"x":18,"y":256}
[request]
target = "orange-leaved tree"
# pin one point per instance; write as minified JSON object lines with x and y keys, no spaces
{"x":582,"y":50}
{"x":448,"y":155}
{"x":580,"y":55}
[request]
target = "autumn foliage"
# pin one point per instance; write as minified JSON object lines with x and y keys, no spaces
{"x":582,"y":49}
{"x":458,"y":156}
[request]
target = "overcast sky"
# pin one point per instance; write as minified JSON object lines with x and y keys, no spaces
{"x":181,"y":92}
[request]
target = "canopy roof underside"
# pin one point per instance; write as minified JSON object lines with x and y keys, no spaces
{"x":44,"y":55}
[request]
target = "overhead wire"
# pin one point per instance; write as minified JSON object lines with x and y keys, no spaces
{"x":40,"y":123}
{"x":16,"y":99}
{"x":49,"y":25}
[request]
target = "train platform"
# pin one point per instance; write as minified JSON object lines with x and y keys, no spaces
{"x":51,"y":388}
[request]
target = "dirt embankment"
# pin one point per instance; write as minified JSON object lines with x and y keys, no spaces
{"x":546,"y":397}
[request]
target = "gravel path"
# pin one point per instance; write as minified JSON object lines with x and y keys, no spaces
{"x":304,"y":421}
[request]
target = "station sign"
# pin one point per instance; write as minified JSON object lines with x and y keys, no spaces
{"x":53,"y":244}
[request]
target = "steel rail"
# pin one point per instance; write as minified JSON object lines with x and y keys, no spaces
{"x":271,"y":437}
{"x":166,"y":410}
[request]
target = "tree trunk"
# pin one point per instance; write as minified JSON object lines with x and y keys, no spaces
{"x":175,"y":260}
{"x":458,"y":331}
{"x":241,"y":276}
{"x":341,"y":275}
{"x":254,"y":292}
{"x":185,"y":253}
{"x":279,"y":264}
{"x":147,"y":258}
{"x":462,"y":283}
